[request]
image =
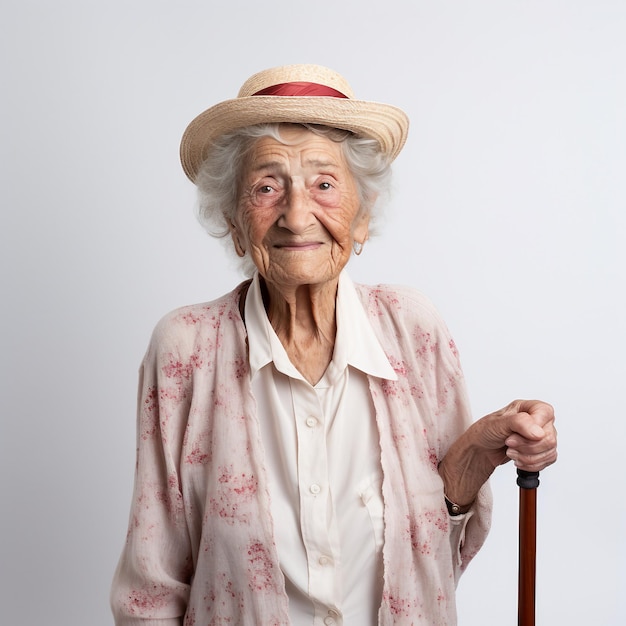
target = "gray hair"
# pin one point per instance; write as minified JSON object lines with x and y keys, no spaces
{"x":219,"y":178}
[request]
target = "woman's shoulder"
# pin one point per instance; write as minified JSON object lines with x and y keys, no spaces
{"x":398,"y":301}
{"x":201,"y":319}
{"x":404,"y":316}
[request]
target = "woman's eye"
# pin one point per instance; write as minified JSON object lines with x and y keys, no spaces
{"x":266,"y":194}
{"x":325,"y":186}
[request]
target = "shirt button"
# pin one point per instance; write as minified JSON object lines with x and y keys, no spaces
{"x":315,"y":489}
{"x":325,"y":560}
{"x":311,"y":422}
{"x":329,"y":621}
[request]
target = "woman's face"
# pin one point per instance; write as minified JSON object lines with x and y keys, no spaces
{"x":298,"y":213}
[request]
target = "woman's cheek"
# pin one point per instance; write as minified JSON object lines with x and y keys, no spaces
{"x":258,"y":223}
{"x":338,"y":220}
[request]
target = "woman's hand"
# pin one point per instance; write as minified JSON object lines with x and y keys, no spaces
{"x":523,"y":432}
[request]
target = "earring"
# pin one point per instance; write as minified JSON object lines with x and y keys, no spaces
{"x":357,"y":246}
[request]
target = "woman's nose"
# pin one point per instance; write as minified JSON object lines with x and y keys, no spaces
{"x":297,"y":214}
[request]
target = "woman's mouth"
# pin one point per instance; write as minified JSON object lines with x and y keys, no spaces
{"x":301,"y":246}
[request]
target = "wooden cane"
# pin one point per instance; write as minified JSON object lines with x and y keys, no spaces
{"x":528,"y":483}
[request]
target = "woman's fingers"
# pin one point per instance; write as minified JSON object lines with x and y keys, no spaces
{"x":532,"y":462}
{"x":533,"y":444}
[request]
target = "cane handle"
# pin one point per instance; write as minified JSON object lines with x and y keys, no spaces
{"x":527,"y":480}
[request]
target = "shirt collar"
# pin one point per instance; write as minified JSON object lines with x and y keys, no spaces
{"x":355,"y":344}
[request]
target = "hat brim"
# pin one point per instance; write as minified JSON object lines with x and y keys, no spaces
{"x":383,"y":122}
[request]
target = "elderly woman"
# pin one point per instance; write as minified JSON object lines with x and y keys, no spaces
{"x":306,"y":454}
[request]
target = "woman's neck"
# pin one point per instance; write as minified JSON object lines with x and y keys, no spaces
{"x":303,"y":318}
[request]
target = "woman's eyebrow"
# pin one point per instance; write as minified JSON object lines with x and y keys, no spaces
{"x":319,"y":163}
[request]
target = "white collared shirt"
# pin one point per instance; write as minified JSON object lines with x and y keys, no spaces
{"x":323,"y":464}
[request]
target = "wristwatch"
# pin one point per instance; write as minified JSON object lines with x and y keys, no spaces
{"x":456,"y":509}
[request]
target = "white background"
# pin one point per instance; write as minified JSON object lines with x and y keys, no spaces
{"x":508,"y":212}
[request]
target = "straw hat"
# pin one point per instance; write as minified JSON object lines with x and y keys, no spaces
{"x":297,"y":94}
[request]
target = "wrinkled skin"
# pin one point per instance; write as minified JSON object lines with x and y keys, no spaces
{"x":299,"y":212}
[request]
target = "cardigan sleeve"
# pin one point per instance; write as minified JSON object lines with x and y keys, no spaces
{"x":151,"y":583}
{"x":451,"y":407}
{"x":468,"y":532}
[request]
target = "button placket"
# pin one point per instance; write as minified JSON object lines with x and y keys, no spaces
{"x":313,"y":479}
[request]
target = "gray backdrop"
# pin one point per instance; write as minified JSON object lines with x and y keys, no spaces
{"x":508,"y":212}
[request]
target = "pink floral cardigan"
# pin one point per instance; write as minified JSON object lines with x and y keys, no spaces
{"x":200,"y":549}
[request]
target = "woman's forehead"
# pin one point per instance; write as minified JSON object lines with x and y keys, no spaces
{"x":300,"y":146}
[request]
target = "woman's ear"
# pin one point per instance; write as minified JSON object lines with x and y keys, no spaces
{"x":234,"y":234}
